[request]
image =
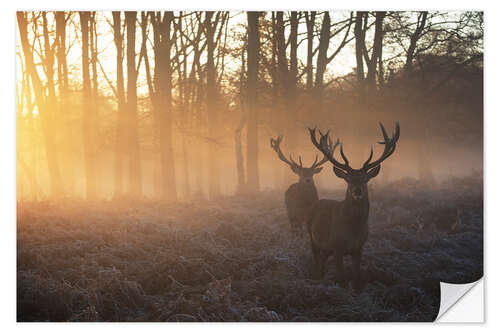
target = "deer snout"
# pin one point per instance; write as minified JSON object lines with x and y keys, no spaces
{"x":357,"y":193}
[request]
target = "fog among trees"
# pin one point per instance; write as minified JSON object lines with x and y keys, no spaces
{"x":181,"y":105}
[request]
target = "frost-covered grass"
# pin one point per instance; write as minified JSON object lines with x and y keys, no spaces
{"x":234,"y":259}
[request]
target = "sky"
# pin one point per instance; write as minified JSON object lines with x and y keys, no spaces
{"x":343,"y":64}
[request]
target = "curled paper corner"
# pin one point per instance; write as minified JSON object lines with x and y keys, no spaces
{"x":461,"y":303}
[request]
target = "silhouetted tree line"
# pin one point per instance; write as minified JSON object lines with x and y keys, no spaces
{"x":213,"y":86}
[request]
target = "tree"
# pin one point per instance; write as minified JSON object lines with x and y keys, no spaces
{"x":359,"y":32}
{"x":93,"y":53}
{"x":310,"y":21}
{"x":252,"y":127}
{"x":44,"y":106}
{"x":362,"y":55}
{"x":240,"y":169}
{"x":323,"y":58}
{"x":415,"y":36}
{"x":88,"y":112}
{"x":62,"y":65}
{"x":435,"y":47}
{"x":121,"y":110}
{"x":376,"y":49}
{"x":181,"y":53}
{"x":210,"y":25}
{"x":182,"y":99}
{"x":135,"y":177}
{"x":286,"y":75}
{"x":163,"y":42}
{"x":197,"y":92}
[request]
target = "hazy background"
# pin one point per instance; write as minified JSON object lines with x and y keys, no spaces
{"x":209,"y":101}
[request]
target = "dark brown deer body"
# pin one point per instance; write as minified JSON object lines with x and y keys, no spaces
{"x":340,"y":228}
{"x":300,"y":196}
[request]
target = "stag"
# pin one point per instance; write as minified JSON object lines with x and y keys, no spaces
{"x":301,"y":195}
{"x":340,"y":228}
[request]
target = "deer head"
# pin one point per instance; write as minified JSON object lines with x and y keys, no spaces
{"x":305,"y":173}
{"x":356,"y":179}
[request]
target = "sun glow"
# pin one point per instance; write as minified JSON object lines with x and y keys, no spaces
{"x":70,"y":114}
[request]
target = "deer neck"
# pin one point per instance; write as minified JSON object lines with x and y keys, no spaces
{"x":308,"y":190}
{"x":307,"y":185}
{"x":356,"y":210}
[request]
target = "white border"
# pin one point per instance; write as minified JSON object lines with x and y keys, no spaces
{"x":7,"y":132}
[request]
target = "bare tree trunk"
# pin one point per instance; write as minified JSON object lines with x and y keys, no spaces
{"x":164,"y":26}
{"x":283,"y":77}
{"x":94,"y":93}
{"x":121,"y":112}
{"x":322,"y":61}
{"x":63,"y":119}
{"x":277,"y":114}
{"x":310,"y":21}
{"x":294,"y":27}
{"x":183,"y":97}
{"x":213,"y":112}
{"x":62,"y":66}
{"x":88,"y":116}
{"x":198,"y":114}
{"x":48,"y":62}
{"x":360,"y":44}
{"x":410,"y":54}
{"x":377,"y":49}
{"x":240,"y":168}
{"x":380,"y":73}
{"x":135,"y":177}
{"x":285,"y":82}
{"x":93,"y":55}
{"x":153,"y":87}
{"x":252,"y":129}
{"x":46,"y":110}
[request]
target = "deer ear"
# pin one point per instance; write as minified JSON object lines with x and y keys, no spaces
{"x":317,"y":170}
{"x":294,"y":169}
{"x":373,"y":172}
{"x":340,"y":173}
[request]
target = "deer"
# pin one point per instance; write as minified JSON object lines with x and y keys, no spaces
{"x":301,"y":195}
{"x":340,"y":228}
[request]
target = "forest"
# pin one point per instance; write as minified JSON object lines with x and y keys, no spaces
{"x":148,"y":190}
{"x":156,"y":104}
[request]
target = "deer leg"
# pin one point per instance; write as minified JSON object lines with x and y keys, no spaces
{"x":316,"y":256}
{"x":315,"y":252}
{"x":356,"y":262}
{"x":320,"y":258}
{"x":339,"y":266}
{"x":292,"y":225}
{"x":299,"y":228}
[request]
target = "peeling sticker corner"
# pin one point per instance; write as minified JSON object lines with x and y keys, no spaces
{"x":461,"y":303}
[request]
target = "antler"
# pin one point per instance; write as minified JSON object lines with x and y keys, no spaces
{"x":325,"y":158}
{"x":328,"y":149}
{"x":390,"y":146}
{"x":275,"y":144}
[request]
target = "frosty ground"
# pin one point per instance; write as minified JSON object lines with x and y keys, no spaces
{"x":234,"y":259}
